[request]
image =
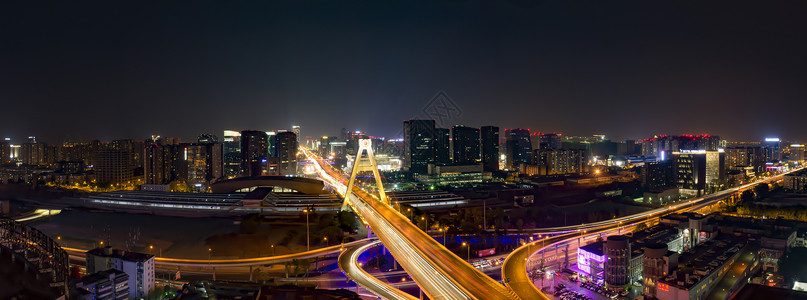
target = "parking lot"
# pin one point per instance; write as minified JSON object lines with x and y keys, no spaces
{"x":561,"y":287}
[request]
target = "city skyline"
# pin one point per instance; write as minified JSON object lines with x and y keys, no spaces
{"x":627,"y":70}
{"x":518,"y":149}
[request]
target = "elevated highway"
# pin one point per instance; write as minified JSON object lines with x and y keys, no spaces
{"x":514,"y":269}
{"x":440,"y":273}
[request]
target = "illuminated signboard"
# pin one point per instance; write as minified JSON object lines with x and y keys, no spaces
{"x":663,"y":287}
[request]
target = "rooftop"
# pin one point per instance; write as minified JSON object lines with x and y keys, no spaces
{"x":101,"y":275}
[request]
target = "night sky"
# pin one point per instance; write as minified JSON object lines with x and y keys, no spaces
{"x":627,"y":69}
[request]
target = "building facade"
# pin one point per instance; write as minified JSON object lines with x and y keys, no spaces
{"x":138,"y":266}
{"x":254,"y":151}
{"x":419,"y":146}
{"x":489,"y":137}
{"x":287,"y":153}
{"x":519,"y":147}
{"x":465,"y":141}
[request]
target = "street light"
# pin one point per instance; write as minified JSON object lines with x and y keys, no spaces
{"x":326,"y":241}
{"x":307,"y":233}
{"x":273,"y":250}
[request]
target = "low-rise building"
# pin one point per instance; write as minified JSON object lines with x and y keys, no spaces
{"x":104,"y":285}
{"x":138,"y":266}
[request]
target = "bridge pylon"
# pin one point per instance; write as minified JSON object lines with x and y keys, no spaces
{"x":365,"y":146}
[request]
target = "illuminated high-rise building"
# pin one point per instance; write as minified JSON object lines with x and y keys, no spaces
{"x":33,"y":153}
{"x":419,"y":148}
{"x":519,"y":147}
{"x":745,"y":156}
{"x":325,"y":145}
{"x":698,"y":170}
{"x":489,"y":140}
{"x":254,"y":151}
{"x":157,"y":163}
{"x":548,"y":141}
{"x":795,"y":152}
{"x":465,"y":141}
{"x":113,"y":166}
{"x":442,"y":146}
{"x":5,"y":152}
{"x":287,"y":153}
{"x":204,"y":165}
{"x":296,"y":130}
{"x":231,"y":149}
{"x":771,"y":149}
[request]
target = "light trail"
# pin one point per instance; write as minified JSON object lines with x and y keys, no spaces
{"x":38,"y":214}
{"x":440,"y":273}
{"x":515,"y":265}
{"x":348,"y":262}
{"x":242,"y":262}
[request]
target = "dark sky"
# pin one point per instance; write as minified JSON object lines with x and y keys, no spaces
{"x":628,"y":69}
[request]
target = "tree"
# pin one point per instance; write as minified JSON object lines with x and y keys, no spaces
{"x":746,"y":197}
{"x":793,"y":265}
{"x":347,"y":221}
{"x":762,"y":190}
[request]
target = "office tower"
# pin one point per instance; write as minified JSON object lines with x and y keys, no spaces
{"x":138,"y":266}
{"x":617,"y":261}
{"x":204,"y":164}
{"x":663,"y":145}
{"x":198,"y":176}
{"x":214,"y":156}
{"x":465,"y":141}
{"x":549,"y":141}
{"x":157,"y":163}
{"x":296,"y":130}
{"x":698,"y":169}
{"x":325,"y":145}
{"x":442,"y":146}
{"x":658,"y":175}
{"x":352,"y":141}
{"x":343,"y":135}
{"x":771,"y":149}
{"x":745,"y":156}
{"x":519,"y":147}
{"x":489,"y":136}
{"x":271,"y":143}
{"x":231,"y":149}
{"x":287,"y":153}
{"x":207,"y":138}
{"x":795,"y":152}
{"x":254,"y":149}
{"x":629,"y":148}
{"x":418,"y":145}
